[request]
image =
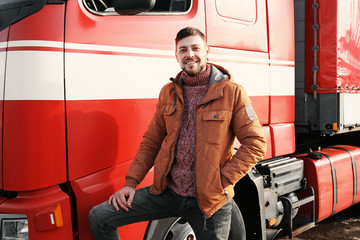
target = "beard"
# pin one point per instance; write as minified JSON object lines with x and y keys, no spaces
{"x":192,"y":72}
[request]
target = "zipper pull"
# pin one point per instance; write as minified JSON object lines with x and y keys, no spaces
{"x":204,"y":228}
{"x":226,"y":195}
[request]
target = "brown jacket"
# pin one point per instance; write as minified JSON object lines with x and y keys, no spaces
{"x":224,"y":113}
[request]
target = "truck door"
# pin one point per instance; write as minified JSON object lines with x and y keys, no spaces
{"x":262,"y":60}
{"x":115,"y":66}
{"x":237,"y":34}
{"x":33,"y":120}
{"x":34,"y":126}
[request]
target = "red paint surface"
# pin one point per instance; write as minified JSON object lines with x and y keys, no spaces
{"x":283,"y":138}
{"x":269,"y":143}
{"x":281,"y":30}
{"x":46,"y":24}
{"x":33,"y":144}
{"x":319,"y":175}
{"x":235,"y":33}
{"x":97,"y":188}
{"x":104,"y":133}
{"x":261,"y":108}
{"x":282,"y":109}
{"x":339,"y":47}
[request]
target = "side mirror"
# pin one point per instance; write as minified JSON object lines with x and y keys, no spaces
{"x":132,"y":7}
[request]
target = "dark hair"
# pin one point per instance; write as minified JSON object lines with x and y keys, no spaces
{"x":189,"y":31}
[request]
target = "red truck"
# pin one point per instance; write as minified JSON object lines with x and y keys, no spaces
{"x":79,"y":81}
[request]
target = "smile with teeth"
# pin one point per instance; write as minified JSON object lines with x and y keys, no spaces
{"x":190,"y":62}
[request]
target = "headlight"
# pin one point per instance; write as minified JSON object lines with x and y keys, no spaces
{"x":15,"y":229}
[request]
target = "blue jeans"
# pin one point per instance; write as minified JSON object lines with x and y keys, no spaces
{"x":104,"y":219}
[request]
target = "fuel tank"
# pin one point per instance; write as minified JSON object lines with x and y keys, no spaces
{"x":334,"y":173}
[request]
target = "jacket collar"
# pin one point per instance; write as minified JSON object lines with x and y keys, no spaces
{"x":218,"y":74}
{"x":218,"y":79}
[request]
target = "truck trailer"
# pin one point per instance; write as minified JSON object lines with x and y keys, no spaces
{"x":79,"y":81}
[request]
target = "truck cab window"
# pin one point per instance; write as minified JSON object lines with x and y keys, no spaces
{"x":105,"y":7}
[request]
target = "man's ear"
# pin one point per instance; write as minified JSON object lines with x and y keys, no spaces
{"x":207,"y":49}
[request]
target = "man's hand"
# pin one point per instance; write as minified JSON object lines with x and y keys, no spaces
{"x":122,"y":198}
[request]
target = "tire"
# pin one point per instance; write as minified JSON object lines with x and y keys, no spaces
{"x":171,"y":229}
{"x":179,"y":229}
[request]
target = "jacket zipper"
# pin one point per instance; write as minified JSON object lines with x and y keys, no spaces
{"x":195,"y":186}
{"x":202,"y":106}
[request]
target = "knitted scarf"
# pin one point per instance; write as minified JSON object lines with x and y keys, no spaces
{"x":183,"y":170}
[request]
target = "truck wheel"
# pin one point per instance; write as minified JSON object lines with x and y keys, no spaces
{"x":171,"y":229}
{"x":179,"y":229}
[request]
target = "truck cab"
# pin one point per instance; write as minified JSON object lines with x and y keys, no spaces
{"x":79,"y":80}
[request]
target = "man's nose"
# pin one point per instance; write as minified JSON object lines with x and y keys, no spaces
{"x":190,"y":53}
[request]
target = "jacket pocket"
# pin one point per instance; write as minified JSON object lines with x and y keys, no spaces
{"x":215,"y":125}
{"x":216,"y":115}
{"x":170,"y":119}
{"x":168,"y":110}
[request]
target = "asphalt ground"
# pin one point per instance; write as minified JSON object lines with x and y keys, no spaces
{"x":344,"y":225}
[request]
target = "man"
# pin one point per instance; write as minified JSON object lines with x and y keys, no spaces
{"x":189,"y":142}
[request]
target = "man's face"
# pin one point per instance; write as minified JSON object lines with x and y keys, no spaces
{"x":191,"y":53}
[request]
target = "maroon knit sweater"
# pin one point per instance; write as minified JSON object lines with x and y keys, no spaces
{"x":182,"y":173}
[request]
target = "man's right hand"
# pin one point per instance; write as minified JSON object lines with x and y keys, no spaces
{"x":122,"y":198}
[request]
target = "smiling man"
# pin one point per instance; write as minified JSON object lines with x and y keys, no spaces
{"x":189,"y":142}
{"x":191,"y":53}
